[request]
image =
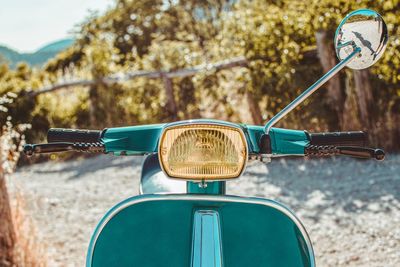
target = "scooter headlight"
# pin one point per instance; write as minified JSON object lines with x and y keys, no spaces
{"x":203,"y":152}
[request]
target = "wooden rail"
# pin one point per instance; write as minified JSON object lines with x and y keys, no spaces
{"x":165,"y":75}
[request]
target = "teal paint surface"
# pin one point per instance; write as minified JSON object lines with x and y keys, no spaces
{"x":283,"y":141}
{"x":288,"y":142}
{"x":253,"y":134}
{"x":133,"y":139}
{"x":157,"y":231}
{"x":212,"y":188}
{"x":144,"y":139}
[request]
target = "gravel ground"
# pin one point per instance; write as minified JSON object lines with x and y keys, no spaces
{"x":351,"y":208}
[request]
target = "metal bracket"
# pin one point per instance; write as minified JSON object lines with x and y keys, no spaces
{"x":310,"y":90}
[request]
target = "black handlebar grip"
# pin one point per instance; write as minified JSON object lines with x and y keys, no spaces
{"x":358,"y":138}
{"x":73,"y":135}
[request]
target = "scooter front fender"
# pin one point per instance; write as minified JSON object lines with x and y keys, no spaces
{"x":158,"y":230}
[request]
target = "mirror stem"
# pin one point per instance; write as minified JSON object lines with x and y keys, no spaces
{"x":310,"y":90}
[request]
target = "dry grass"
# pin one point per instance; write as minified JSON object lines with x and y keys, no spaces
{"x":29,"y":251}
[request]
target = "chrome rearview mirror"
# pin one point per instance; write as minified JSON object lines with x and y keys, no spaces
{"x":360,"y":41}
{"x":365,"y":29}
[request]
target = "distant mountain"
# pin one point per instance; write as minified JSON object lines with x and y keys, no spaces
{"x":8,"y":54}
{"x":56,"y":46}
{"x":37,"y":58}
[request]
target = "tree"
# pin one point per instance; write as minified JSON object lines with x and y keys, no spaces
{"x":287,"y":44}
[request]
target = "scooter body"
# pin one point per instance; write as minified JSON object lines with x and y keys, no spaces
{"x":201,"y":226}
{"x":182,"y":216}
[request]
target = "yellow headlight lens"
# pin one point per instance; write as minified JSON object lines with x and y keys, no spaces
{"x":203,"y":151}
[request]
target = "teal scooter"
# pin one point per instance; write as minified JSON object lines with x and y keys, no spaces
{"x":193,"y":222}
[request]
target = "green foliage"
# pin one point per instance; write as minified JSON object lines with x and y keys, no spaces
{"x":276,"y":36}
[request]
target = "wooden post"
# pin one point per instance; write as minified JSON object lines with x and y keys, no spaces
{"x":93,"y":102}
{"x":254,"y":108}
{"x":364,"y":96}
{"x":169,"y":92}
{"x":351,"y":119}
{"x":394,"y":120}
{"x":327,"y":57}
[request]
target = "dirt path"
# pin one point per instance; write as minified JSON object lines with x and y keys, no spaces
{"x":350,"y":208}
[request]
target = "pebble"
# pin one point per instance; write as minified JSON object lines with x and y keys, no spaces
{"x":351,"y":208}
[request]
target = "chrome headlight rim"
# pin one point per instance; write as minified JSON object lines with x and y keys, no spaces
{"x":193,"y":123}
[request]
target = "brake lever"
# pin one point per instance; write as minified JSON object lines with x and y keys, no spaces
{"x":354,"y":151}
{"x":31,"y":149}
{"x":362,"y":152}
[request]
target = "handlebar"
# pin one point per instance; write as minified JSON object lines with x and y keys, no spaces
{"x":358,"y":138}
{"x":73,"y":135}
{"x":143,"y":139}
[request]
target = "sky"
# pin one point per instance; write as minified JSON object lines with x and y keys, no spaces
{"x":27,"y":25}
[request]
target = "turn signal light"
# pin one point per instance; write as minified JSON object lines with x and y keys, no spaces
{"x":203,"y":152}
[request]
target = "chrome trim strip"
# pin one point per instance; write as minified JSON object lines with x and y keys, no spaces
{"x":206,"y":244}
{"x":141,"y":173}
{"x":146,"y":198}
{"x":201,"y":121}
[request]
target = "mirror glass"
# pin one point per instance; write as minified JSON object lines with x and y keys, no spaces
{"x":365,"y":29}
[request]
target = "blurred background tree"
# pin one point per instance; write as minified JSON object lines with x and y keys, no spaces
{"x":287,"y":45}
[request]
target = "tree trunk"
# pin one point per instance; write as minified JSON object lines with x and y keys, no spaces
{"x":254,"y":109}
{"x":7,"y":232}
{"x":171,"y":103}
{"x":327,"y":58}
{"x":364,"y":96}
{"x":351,"y":121}
{"x":93,"y":102}
{"x":101,"y":100}
{"x":386,"y":134}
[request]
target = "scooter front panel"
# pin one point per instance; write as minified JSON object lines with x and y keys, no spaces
{"x":157,"y":230}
